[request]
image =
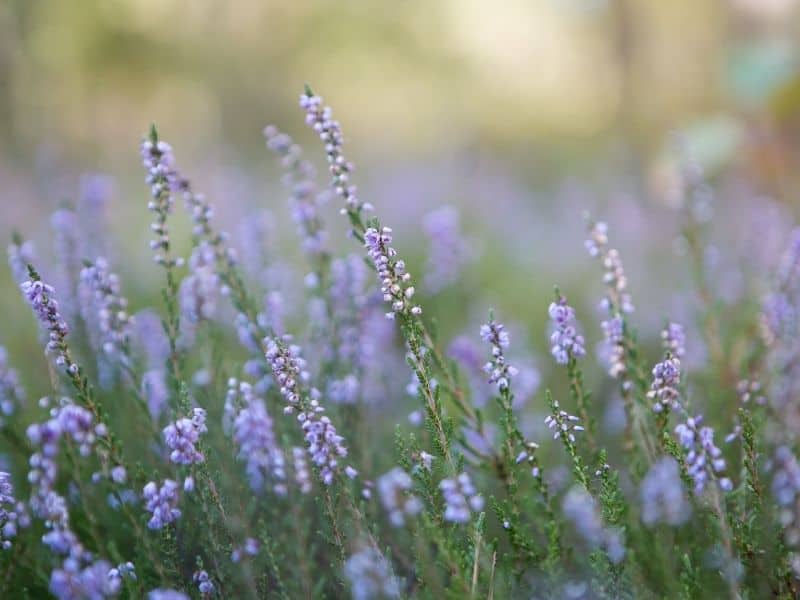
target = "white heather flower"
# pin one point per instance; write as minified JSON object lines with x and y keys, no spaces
{"x":394,"y":488}
{"x":498,"y":369}
{"x":395,"y":281}
{"x":562,"y":423}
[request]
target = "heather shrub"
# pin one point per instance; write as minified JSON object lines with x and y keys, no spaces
{"x":216,"y":445}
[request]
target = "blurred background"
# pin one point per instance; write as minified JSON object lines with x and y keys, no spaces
{"x":519,"y":115}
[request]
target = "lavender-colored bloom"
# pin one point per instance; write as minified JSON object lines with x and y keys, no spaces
{"x":258,"y":447}
{"x":299,"y":179}
{"x":12,"y":394}
{"x":182,"y":435}
{"x":394,"y":488}
{"x":786,"y":491}
{"x":673,"y":339}
{"x":325,"y":446}
{"x":21,"y":253}
{"x":394,"y":279}
{"x":460,"y":498}
{"x":370,"y":576}
{"x":302,"y":473}
{"x":204,"y":584}
{"x":123,"y":570}
{"x":96,"y":190}
{"x":563,"y":424}
{"x":617,"y":300}
{"x":199,"y":291}
{"x":565,"y":340}
{"x":662,"y":494}
{"x":162,"y":502}
{"x":703,"y":457}
{"x":320,"y":119}
{"x":613,"y":331}
{"x":249,"y":548}
{"x":71,"y":582}
{"x":499,"y":371}
{"x":68,"y":254}
{"x":161,"y":594}
{"x":159,"y":162}
{"x":449,"y":252}
{"x":41,"y":297}
{"x":581,"y":509}
{"x":664,"y":388}
{"x":104,"y":311}
{"x":155,"y":391}
{"x":8,"y":514}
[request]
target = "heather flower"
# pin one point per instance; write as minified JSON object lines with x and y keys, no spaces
{"x":449,"y":252}
{"x":662,"y":494}
{"x":581,"y":509}
{"x":370,"y":576}
{"x":613,"y":331}
{"x":104,"y":311}
{"x":41,"y":297}
{"x":563,"y":424}
{"x":258,"y":447}
{"x":96,"y":190}
{"x":302,"y":474}
{"x":499,"y":371}
{"x":320,"y":119}
{"x":460,"y":498}
{"x":162,"y":502}
{"x":123,"y":570}
{"x":204,"y":584}
{"x":67,"y":247}
{"x":394,"y":488}
{"x":618,"y":300}
{"x":166,"y":595}
{"x":750,"y":390}
{"x":249,"y":548}
{"x":664,"y":388}
{"x":159,"y":162}
{"x":21,"y":253}
{"x":299,"y":179}
{"x":155,"y":391}
{"x":8,"y":515}
{"x":394,"y":279}
{"x":703,"y":458}
{"x":565,"y":340}
{"x":673,"y":340}
{"x":12,"y":394}
{"x":71,"y":582}
{"x":182,"y":436}
{"x":786,"y":491}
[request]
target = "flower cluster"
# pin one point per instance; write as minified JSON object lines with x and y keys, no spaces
{"x":614,"y":333}
{"x":562,"y":423}
{"x":161,"y":502}
{"x":159,"y":162}
{"x":394,"y":488}
{"x":664,"y":388}
{"x":460,"y":498}
{"x":249,"y":548}
{"x":786,"y":489}
{"x":581,"y":509}
{"x":498,"y":369}
{"x":258,"y":447}
{"x":71,"y":582}
{"x":299,"y":179}
{"x":8,"y":516}
{"x":320,"y":119}
{"x":703,"y":458}
{"x":618,"y":299}
{"x":662,"y":494}
{"x":565,"y":340}
{"x":325,"y":446}
{"x":12,"y":394}
{"x":449,"y":251}
{"x":21,"y":253}
{"x":199,"y":291}
{"x":41,"y":297}
{"x":204,"y":584}
{"x":370,"y":576}
{"x":182,"y":436}
{"x":394,"y":279}
{"x":673,"y":340}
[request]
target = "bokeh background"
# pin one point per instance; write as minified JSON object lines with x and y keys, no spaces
{"x":519,"y":114}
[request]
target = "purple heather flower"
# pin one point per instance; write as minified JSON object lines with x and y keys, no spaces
{"x":41,"y":297}
{"x":155,"y":391}
{"x":562,"y":423}
{"x":258,"y":447}
{"x":204,"y":584}
{"x":618,"y":299}
{"x":673,"y":340}
{"x":249,"y":548}
{"x":786,"y":491}
{"x":703,"y":457}
{"x":299,"y":179}
{"x":325,"y":446}
{"x":68,"y":253}
{"x":499,"y":371}
{"x":159,"y":162}
{"x":96,"y":190}
{"x":370,"y":576}
{"x":664,"y":388}
{"x":12,"y":394}
{"x":581,"y":509}
{"x":460,"y":498}
{"x":8,"y":514}
{"x":613,"y":332}
{"x":199,"y":291}
{"x":161,"y":594}
{"x":395,"y":488}
{"x":182,"y":435}
{"x":565,"y":340}
{"x":162,"y":502}
{"x":320,"y":119}
{"x":394,"y":279}
{"x":449,"y":251}
{"x":21,"y":253}
{"x":302,"y":473}
{"x":662,"y":494}
{"x":71,"y":582}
